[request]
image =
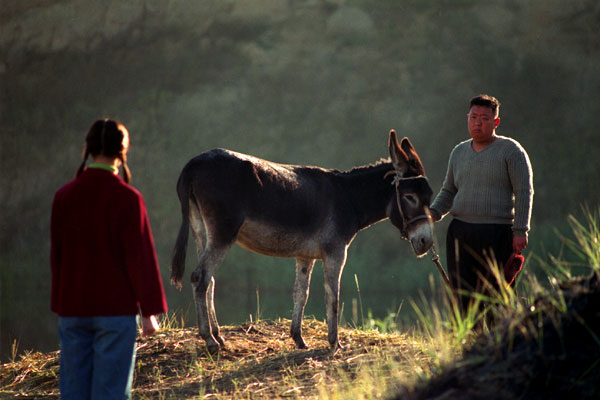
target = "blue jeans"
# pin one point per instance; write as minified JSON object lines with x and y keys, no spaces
{"x":97,"y":357}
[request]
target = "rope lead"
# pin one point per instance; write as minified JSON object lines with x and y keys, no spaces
{"x":436,"y":260}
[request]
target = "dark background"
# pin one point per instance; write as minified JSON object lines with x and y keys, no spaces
{"x":299,"y":82}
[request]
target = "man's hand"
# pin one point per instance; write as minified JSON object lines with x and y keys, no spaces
{"x":149,"y":326}
{"x":519,"y":243}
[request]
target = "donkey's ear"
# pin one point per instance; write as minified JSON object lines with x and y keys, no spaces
{"x":398,"y":156}
{"x":407,"y":146}
{"x":413,"y":157}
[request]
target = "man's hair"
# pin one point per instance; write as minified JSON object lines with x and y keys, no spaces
{"x":488,"y":101}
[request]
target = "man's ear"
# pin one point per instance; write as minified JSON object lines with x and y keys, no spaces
{"x":398,"y":156}
{"x":496,"y":122}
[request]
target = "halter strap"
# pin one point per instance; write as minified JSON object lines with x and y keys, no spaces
{"x":396,"y":181}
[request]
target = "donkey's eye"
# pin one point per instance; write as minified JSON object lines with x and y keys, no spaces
{"x":411,"y":199}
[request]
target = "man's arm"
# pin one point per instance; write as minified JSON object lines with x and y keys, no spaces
{"x":521,"y":176}
{"x":443,"y":201}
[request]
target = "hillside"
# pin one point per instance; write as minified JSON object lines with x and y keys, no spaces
{"x":260,"y":362}
{"x":551,"y":351}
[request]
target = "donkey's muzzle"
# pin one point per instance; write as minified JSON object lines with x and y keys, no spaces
{"x":421,"y":237}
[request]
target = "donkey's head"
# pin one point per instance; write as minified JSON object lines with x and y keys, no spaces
{"x":410,"y":205}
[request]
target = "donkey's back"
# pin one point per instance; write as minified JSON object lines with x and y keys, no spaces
{"x":270,"y":208}
{"x":288,"y":195}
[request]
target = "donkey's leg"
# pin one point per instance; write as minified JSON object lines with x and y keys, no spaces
{"x":199,"y":232}
{"x":201,"y":280}
{"x":304,"y":268}
{"x":198,"y":227}
{"x":333,"y":265}
{"x":214,"y":324}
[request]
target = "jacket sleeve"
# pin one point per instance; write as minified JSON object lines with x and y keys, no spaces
{"x":141,"y":260}
{"x":55,"y":253}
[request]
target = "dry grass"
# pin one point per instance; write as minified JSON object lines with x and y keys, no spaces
{"x":260,"y":362}
{"x":549,"y":351}
{"x":547,"y":348}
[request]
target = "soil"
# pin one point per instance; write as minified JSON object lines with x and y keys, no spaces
{"x":552,"y":352}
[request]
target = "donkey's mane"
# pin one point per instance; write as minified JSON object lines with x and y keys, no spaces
{"x":364,"y":168}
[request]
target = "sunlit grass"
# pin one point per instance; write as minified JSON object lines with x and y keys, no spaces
{"x":444,"y":331}
{"x":378,"y":359}
{"x":584,"y":245}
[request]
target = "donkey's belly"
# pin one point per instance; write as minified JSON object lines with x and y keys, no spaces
{"x":278,"y":241}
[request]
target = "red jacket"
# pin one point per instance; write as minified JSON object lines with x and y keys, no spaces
{"x":102,"y":252}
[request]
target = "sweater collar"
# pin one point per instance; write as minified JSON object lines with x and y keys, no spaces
{"x":106,"y":167}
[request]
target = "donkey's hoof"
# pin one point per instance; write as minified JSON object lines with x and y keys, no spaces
{"x":296,"y":335}
{"x":212,"y":348}
{"x":335,"y":347}
{"x":301,"y":345}
{"x":221,"y":341}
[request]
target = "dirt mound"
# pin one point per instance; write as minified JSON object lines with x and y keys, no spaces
{"x":260,"y":361}
{"x":552,"y":352}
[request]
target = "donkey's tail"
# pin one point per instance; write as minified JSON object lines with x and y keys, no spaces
{"x":178,"y":259}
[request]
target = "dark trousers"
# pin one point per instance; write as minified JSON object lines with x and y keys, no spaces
{"x":469,"y":250}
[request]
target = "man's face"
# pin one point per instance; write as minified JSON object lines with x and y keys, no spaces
{"x":481,"y":123}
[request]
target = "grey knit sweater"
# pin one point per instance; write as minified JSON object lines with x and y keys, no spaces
{"x":494,"y":185}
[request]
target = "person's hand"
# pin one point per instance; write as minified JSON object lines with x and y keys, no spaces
{"x":519,"y":243}
{"x":434,"y":215}
{"x":149,"y":325}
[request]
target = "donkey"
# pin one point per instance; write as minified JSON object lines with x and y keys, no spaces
{"x":305,"y":212}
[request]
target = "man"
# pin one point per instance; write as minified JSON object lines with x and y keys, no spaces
{"x":488,"y":190}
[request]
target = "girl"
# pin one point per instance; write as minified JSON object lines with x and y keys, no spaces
{"x":104,"y":270}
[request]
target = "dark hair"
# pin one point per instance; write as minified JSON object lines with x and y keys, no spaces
{"x":105,"y":138}
{"x":485,"y":100}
